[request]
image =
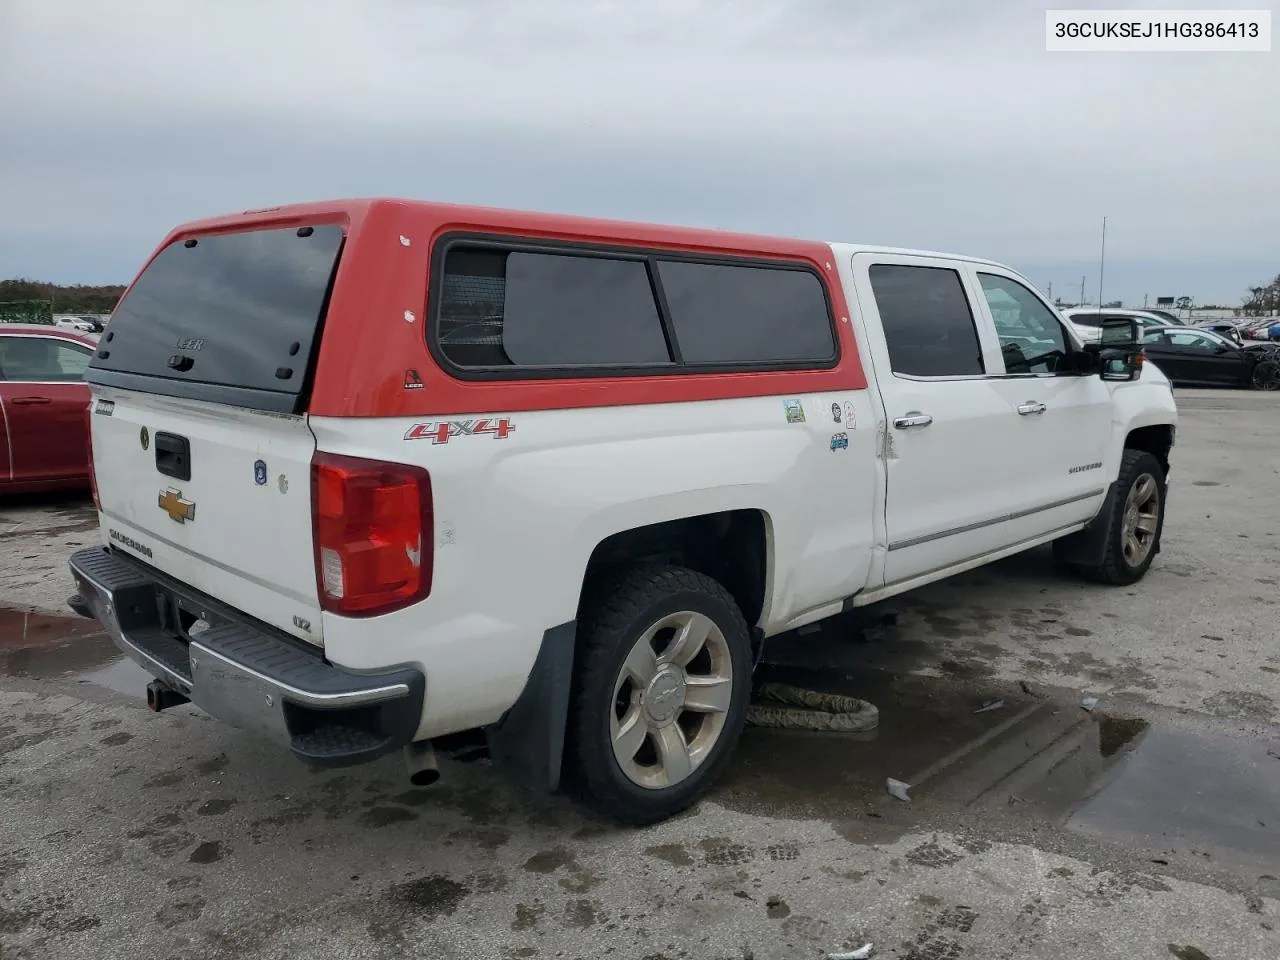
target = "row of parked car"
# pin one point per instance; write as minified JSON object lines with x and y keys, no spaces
{"x":1241,"y":353}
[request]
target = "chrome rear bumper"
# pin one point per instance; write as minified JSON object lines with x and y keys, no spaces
{"x":242,"y":673}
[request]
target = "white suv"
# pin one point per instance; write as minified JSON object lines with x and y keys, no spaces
{"x":1088,"y":320}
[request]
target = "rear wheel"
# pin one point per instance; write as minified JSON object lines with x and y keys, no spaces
{"x":1136,"y":521}
{"x":660,"y":692}
{"x":1266,"y":375}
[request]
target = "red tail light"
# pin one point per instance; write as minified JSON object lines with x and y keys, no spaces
{"x":88,"y":442}
{"x":374,"y":534}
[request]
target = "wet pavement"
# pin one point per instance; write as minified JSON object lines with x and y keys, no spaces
{"x":37,"y":534}
{"x":1147,"y":827}
{"x":1146,"y":802}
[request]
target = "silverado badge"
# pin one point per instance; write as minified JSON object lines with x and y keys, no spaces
{"x":179,"y":510}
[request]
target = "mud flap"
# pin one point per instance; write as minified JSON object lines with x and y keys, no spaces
{"x":527,"y":744}
{"x":1087,"y":547}
{"x":757,"y":647}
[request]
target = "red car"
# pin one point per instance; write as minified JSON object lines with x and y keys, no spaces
{"x":44,"y":438}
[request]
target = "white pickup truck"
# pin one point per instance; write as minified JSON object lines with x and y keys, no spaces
{"x":377,"y":475}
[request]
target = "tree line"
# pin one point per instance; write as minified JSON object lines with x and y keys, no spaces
{"x":76,"y":298}
{"x":1263,"y":301}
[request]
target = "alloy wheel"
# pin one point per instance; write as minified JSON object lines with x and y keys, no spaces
{"x":1141,"y":519}
{"x":670,"y":699}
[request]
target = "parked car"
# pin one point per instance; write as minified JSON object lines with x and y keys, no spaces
{"x":1203,"y":358}
{"x":44,"y":439}
{"x":339,"y":515}
{"x":1267,"y":328}
{"x":79,"y":324}
{"x":1171,"y":318}
{"x":1230,"y":329}
{"x":1088,"y":320}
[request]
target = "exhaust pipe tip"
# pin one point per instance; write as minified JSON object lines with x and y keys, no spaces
{"x":424,"y":778}
{"x":161,"y":696}
{"x":420,"y":758}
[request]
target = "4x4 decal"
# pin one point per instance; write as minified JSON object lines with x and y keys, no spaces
{"x":442,"y":432}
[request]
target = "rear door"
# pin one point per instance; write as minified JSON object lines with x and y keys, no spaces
{"x":201,"y":446}
{"x":946,"y":444}
{"x":44,"y":396}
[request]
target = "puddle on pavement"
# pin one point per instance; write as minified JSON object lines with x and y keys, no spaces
{"x":122,"y":676}
{"x":93,"y":660}
{"x":1032,"y":753}
{"x":1178,"y":797}
{"x":60,"y":659}
{"x":1194,"y":797}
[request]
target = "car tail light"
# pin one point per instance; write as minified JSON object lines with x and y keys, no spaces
{"x":88,"y":440}
{"x":373,"y":530}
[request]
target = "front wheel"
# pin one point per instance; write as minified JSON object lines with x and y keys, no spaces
{"x":1136,"y":521}
{"x":1266,"y":375}
{"x":660,"y":691}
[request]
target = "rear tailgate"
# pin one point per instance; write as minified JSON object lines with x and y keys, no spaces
{"x":202,"y":451}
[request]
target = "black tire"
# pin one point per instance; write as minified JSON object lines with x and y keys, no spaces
{"x":1266,"y":375}
{"x":1115,"y":567}
{"x":615,"y":613}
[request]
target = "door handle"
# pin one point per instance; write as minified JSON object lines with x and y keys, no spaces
{"x":29,"y":401}
{"x":913,"y":419}
{"x":1030,"y":407}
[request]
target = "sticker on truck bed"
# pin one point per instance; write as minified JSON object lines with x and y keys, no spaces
{"x":443,"y":432}
{"x":795,"y":412}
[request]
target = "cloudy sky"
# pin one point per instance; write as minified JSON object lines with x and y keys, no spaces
{"x":918,"y":123}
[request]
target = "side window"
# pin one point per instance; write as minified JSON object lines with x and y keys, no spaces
{"x":512,"y":308}
{"x":1156,"y":337}
{"x":1031,"y":338}
{"x":729,"y":314}
{"x":927,"y":321}
{"x":1193,"y":341}
{"x":42,"y":359}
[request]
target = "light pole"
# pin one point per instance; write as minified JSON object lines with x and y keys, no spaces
{"x":1102,"y":261}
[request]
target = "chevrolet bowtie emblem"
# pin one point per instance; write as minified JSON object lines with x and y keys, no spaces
{"x":179,"y":510}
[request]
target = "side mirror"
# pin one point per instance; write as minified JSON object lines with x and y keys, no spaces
{"x":1120,"y":349}
{"x":1120,"y":332}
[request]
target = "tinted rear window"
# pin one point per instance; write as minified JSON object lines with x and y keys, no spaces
{"x":236,"y":310}
{"x":927,"y":323}
{"x":500,"y":308}
{"x":512,"y":310}
{"x":732,"y":314}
